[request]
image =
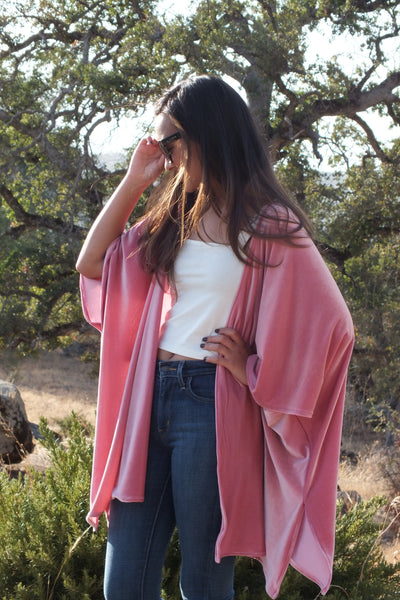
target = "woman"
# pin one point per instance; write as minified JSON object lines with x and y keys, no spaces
{"x":225,"y":346}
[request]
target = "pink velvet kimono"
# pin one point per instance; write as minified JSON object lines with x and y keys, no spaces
{"x":278,"y":439}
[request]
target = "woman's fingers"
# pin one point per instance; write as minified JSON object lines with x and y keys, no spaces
{"x":230,"y":351}
{"x":147,"y":161}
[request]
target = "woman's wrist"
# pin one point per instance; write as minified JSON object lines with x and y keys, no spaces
{"x":133,"y":186}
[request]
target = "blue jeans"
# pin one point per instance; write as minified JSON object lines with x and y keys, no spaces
{"x":181,"y":489}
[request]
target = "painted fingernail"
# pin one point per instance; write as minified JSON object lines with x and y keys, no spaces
{"x":202,"y":345}
{"x":204,"y":339}
{"x":217,"y":331}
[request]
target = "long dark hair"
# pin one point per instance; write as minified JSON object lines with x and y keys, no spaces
{"x":238,"y":181}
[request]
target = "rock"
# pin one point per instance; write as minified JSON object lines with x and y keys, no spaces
{"x":348,"y":500}
{"x":348,"y":456}
{"x":39,"y":460}
{"x":15,"y":432}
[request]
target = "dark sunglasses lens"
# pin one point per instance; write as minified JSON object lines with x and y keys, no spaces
{"x":163,"y":144}
{"x":164,"y":149}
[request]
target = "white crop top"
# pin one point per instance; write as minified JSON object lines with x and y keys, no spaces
{"x":207,"y":277}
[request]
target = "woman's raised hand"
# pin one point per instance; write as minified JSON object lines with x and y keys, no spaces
{"x":146,"y":164}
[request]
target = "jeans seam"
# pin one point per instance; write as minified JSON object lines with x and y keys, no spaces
{"x":212,"y":547}
{"x":151,"y":535}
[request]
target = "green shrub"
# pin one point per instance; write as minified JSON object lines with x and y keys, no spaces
{"x":47,"y":550}
{"x":49,"y":553}
{"x":360,"y":567}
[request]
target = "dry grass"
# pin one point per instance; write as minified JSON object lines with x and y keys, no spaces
{"x":374,"y":472}
{"x":52,"y":385}
{"x":366,"y":477}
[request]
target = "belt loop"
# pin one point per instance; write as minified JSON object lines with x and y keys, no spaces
{"x":179,"y":373}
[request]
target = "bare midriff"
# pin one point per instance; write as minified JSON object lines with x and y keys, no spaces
{"x":165,"y":355}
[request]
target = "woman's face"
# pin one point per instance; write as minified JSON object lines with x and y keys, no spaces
{"x":164,"y":127}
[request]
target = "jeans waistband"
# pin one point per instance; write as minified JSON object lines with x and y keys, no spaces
{"x":183,"y":368}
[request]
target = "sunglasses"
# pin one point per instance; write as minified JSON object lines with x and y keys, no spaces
{"x":165,"y":142}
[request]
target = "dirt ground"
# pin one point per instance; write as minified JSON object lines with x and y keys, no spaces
{"x":52,"y":385}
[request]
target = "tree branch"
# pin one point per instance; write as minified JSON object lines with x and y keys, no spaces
{"x":395,"y":118}
{"x":333,"y":255}
{"x":17,"y":46}
{"x":37,"y":135}
{"x":300,"y":126}
{"x":48,"y":334}
{"x":372,"y":139}
{"x":32,"y":221}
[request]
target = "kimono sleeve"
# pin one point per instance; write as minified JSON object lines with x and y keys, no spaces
{"x":303,"y":327}
{"x":122,"y":276}
{"x":91,"y":300}
{"x":304,"y":339}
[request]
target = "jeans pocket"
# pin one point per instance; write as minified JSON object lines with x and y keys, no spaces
{"x":201,"y":388}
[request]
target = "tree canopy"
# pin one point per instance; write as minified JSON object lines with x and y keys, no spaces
{"x":331,"y":121}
